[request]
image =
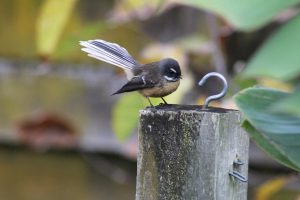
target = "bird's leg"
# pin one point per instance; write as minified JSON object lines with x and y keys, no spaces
{"x":150,"y":102}
{"x":164,"y":101}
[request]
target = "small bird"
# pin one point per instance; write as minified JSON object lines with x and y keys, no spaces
{"x":156,"y":79}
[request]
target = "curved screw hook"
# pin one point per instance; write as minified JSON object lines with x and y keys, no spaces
{"x":216,"y":96}
{"x":238,"y":176}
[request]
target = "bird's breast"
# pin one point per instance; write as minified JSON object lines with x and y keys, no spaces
{"x":161,"y":90}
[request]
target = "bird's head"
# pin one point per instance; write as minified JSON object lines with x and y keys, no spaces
{"x":170,"y":69}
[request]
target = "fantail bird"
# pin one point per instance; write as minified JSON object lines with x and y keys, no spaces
{"x":156,"y":79}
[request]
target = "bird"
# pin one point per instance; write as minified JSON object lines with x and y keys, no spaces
{"x":155,"y":79}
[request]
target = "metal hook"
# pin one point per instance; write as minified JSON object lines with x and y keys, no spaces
{"x":236,"y":174}
{"x":216,"y":96}
{"x":238,"y":162}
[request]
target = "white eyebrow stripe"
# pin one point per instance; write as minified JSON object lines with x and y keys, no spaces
{"x":169,"y":78}
{"x":173,"y":70}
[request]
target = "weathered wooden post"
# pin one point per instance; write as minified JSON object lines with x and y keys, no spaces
{"x":187,"y":153}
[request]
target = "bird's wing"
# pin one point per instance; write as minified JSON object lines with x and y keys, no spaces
{"x":136,"y":83}
{"x":109,"y":52}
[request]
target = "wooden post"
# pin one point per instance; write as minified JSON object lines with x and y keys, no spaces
{"x":186,"y":153}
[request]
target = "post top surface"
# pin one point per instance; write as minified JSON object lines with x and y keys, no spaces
{"x":179,"y":107}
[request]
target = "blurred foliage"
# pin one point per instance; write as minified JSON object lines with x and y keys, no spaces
{"x":151,"y":30}
{"x":277,"y":133}
{"x":125,"y":115}
{"x":246,"y":14}
{"x":272,"y":118}
{"x":17,"y":28}
{"x":51,"y":22}
{"x":127,"y":10}
{"x":279,"y":56}
{"x":268,"y":189}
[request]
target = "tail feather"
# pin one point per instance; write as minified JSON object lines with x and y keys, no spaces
{"x":100,"y":56}
{"x":109,"y":52}
{"x":96,"y":50}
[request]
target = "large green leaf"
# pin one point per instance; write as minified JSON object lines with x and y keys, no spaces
{"x":279,"y":57}
{"x":265,"y":144}
{"x":278,"y":133}
{"x":245,"y":14}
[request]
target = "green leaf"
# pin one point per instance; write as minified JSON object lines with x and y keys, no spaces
{"x":244,"y":83}
{"x":51,"y":21}
{"x":265,"y":144}
{"x":125,"y":115}
{"x":290,"y":105}
{"x":277,"y":133}
{"x":245,"y":14}
{"x":279,"y":56}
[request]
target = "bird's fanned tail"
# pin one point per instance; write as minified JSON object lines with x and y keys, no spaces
{"x":109,"y":52}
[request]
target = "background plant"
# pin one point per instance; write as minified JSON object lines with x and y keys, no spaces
{"x":272,"y":115}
